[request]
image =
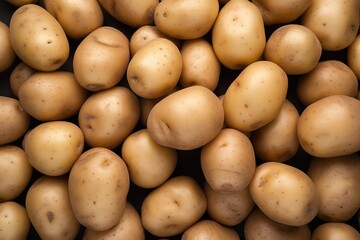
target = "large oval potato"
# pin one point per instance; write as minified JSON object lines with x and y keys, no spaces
{"x":209,"y":229}
{"x":6,"y":50}
{"x":14,"y":221}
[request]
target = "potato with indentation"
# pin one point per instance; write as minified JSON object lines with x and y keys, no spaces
{"x":210,"y":230}
{"x":14,"y":221}
{"x":6,"y":50}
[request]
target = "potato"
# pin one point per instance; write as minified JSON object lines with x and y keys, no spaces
{"x":186,"y":119}
{"x":101,"y":59}
{"x":278,"y":141}
{"x":21,"y":73}
{"x":173,"y":207}
{"x":330,"y":77}
{"x":228,"y":161}
{"x":14,"y":121}
{"x":259,"y":226}
{"x":128,"y":228}
{"x":43,"y":95}
{"x":228,"y":208}
{"x":98,"y":187}
{"x":14,"y":221}
{"x":74,"y":17}
{"x":353,"y":56}
{"x":244,"y":109}
{"x":335,"y":231}
{"x":38,"y":38}
{"x":109,"y":116}
{"x":284,"y":193}
{"x":281,"y":12}
{"x":151,"y":166}
{"x":329,"y":127}
{"x":19,"y":3}
{"x":155,"y":69}
{"x":335,"y":23}
{"x":238,"y":34}
{"x":338,"y":182}
{"x":209,"y":229}
{"x":6,"y":50}
{"x":186,"y":19}
{"x":200,"y":64}
{"x":294,"y":48}
{"x":133,"y":13}
{"x":15,"y":172}
{"x":53,"y":147}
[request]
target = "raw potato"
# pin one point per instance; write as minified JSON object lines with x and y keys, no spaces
{"x":186,"y":119}
{"x":186,"y":19}
{"x":173,"y":207}
{"x":109,"y":116}
{"x":48,"y":206}
{"x":244,"y":109}
{"x":53,"y":147}
{"x":335,"y":23}
{"x":14,"y":121}
{"x":330,"y":77}
{"x":21,"y":73}
{"x":238,"y":34}
{"x":128,"y":228}
{"x":338,"y":182}
{"x":38,"y":38}
{"x":200,"y":64}
{"x":6,"y":51}
{"x":155,"y":69}
{"x":353,"y":56}
{"x":228,"y":161}
{"x":74,"y":16}
{"x":284,"y":193}
{"x":101,"y":59}
{"x":15,"y":172}
{"x":149,"y":163}
{"x":330,"y":127}
{"x":14,"y":221}
{"x":278,"y":141}
{"x":335,"y":231}
{"x":98,"y":187}
{"x":210,"y":230}
{"x":259,"y":226}
{"x":50,"y":96}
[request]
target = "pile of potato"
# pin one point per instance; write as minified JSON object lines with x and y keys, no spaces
{"x":197,"y":119}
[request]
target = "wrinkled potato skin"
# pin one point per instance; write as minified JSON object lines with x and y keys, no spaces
{"x":329,"y":127}
{"x":335,"y":231}
{"x":209,"y":229}
{"x":353,"y":56}
{"x":6,"y":51}
{"x":14,"y":221}
{"x":21,"y":73}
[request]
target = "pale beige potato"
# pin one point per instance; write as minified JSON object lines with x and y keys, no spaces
{"x":338,"y":182}
{"x":229,"y":209}
{"x":330,"y":127}
{"x":244,"y":109}
{"x":149,"y":163}
{"x":133,"y":13}
{"x":228,"y":161}
{"x":335,"y":231}
{"x":14,"y":221}
{"x":173,"y":207}
{"x":38,"y":38}
{"x":278,"y":140}
{"x":101,"y":59}
{"x":294,"y":48}
{"x":155,"y":69}
{"x":74,"y":16}
{"x":284,"y":193}
{"x":19,"y":3}
{"x":109,"y":116}
{"x":238,"y":34}
{"x":186,"y":119}
{"x":210,"y":230}
{"x":259,"y":226}
{"x":50,"y":96}
{"x":335,"y":23}
{"x":98,"y":187}
{"x":48,"y":206}
{"x":14,"y":121}
{"x":353,"y":56}
{"x":15,"y":172}
{"x":128,"y":228}
{"x":329,"y":77}
{"x":281,"y":12}
{"x":200,"y":64}
{"x":21,"y":73}
{"x":6,"y":50}
{"x":53,"y":147}
{"x":186,"y":19}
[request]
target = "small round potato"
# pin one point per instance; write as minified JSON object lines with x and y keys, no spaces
{"x":210,"y":230}
{"x":335,"y":231}
{"x":21,"y":73}
{"x":353,"y":56}
{"x":6,"y":50}
{"x":14,"y":221}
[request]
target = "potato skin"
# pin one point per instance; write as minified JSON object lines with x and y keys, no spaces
{"x":353,"y":56}
{"x":209,"y":229}
{"x":14,"y":221}
{"x":6,"y":50}
{"x":335,"y":231}
{"x":21,"y":73}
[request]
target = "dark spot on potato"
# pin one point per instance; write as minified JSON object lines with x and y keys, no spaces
{"x":165,"y":14}
{"x":56,"y":61}
{"x":246,"y":106}
{"x":95,"y":87}
{"x":262,"y":182}
{"x":171,"y":226}
{"x":50,"y":216}
{"x":177,"y":203}
{"x":106,"y":163}
{"x":49,"y":42}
